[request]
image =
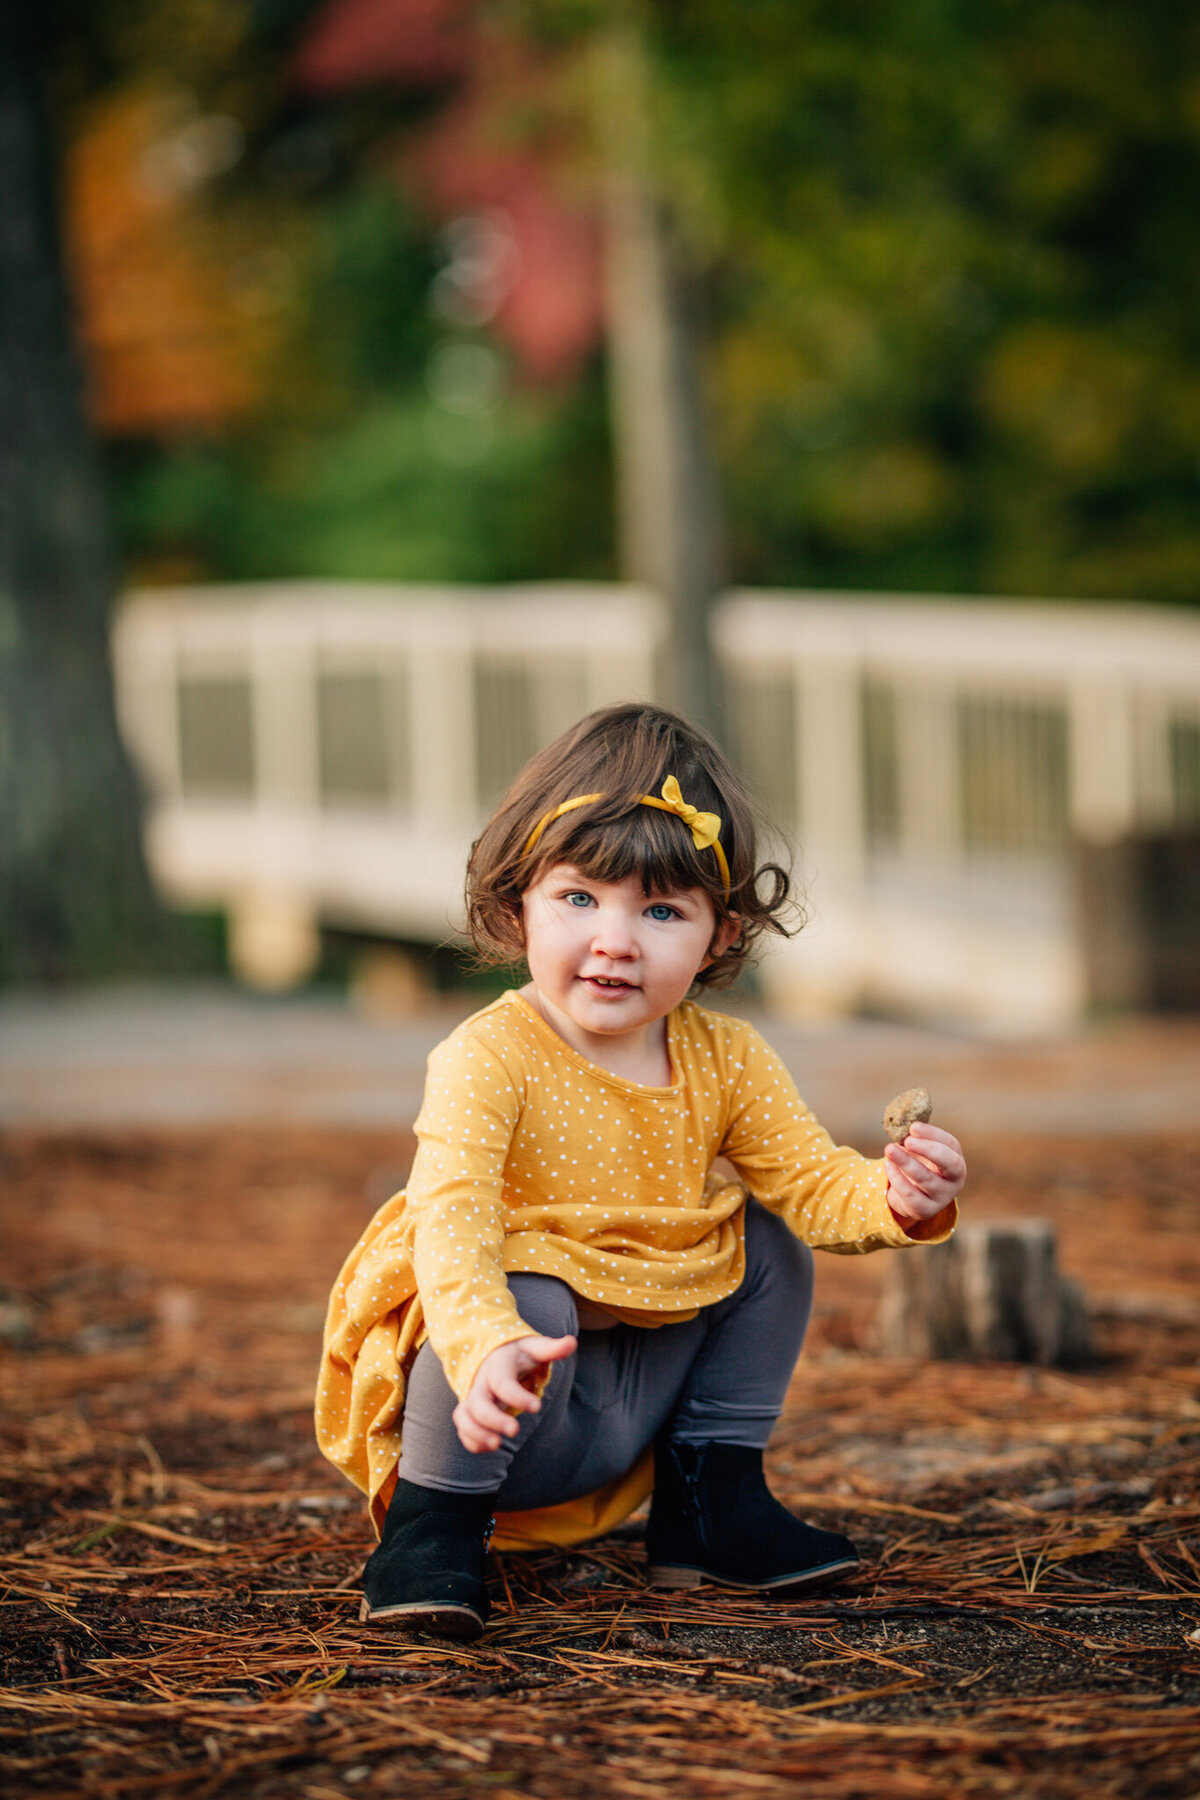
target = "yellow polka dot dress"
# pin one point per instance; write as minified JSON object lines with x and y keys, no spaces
{"x":532,"y":1159}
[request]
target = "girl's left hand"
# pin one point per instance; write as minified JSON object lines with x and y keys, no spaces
{"x":925,"y":1173}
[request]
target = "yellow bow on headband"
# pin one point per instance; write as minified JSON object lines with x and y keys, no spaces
{"x":705,"y":827}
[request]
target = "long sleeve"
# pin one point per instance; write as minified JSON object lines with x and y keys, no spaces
{"x":830,"y":1196}
{"x":531,"y":1159}
{"x":456,"y":1209}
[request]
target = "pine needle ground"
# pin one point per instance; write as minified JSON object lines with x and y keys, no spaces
{"x":178,"y":1595}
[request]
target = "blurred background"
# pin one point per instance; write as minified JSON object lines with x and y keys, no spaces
{"x":384,"y":383}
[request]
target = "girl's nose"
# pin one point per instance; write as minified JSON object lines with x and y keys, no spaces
{"x":614,"y":935}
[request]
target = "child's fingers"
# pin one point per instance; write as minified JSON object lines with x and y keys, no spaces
{"x":929,"y":1181}
{"x":911,"y":1202}
{"x":548,"y":1350}
{"x":915,"y":1177}
{"x":920,"y":1171}
{"x":921,"y":1128}
{"x":942,"y":1157}
{"x":512,"y":1397}
{"x":484,"y":1412}
{"x":899,"y":1184}
{"x":472,"y":1436}
{"x":940,"y":1148}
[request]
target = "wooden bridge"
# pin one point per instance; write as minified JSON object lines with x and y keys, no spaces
{"x":971,"y":784}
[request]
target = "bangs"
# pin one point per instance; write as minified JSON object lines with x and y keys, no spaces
{"x":654,"y":847}
{"x":618,"y":755}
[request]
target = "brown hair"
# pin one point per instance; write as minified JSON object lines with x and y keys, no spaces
{"x":621,"y":753}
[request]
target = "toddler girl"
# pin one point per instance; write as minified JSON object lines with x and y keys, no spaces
{"x":568,"y":1307}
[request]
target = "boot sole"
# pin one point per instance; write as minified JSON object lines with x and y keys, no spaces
{"x":443,"y":1620}
{"x":680,"y":1575}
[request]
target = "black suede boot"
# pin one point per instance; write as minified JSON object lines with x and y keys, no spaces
{"x":713,"y":1518}
{"x":428,"y":1570}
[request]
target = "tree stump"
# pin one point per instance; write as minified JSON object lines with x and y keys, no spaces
{"x":994,"y":1293}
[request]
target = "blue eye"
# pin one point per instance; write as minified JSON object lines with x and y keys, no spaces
{"x":660,"y":912}
{"x":578,"y":899}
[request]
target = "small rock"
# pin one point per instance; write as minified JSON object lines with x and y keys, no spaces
{"x":911,"y":1107}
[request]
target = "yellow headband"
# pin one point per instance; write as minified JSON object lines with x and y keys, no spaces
{"x":705,"y":827}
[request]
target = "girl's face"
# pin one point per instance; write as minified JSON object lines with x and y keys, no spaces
{"x":609,"y":962}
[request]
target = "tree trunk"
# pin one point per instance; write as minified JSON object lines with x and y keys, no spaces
{"x":668,"y":528}
{"x":994,"y":1292}
{"x":74,"y":896}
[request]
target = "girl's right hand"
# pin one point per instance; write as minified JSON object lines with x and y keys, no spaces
{"x":509,"y":1382}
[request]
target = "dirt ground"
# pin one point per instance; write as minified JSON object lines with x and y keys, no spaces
{"x":178,"y":1613}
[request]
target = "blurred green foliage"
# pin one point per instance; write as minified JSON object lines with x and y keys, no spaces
{"x":354,"y":469}
{"x":366,"y":498}
{"x":947,"y":257}
{"x":952,"y":250}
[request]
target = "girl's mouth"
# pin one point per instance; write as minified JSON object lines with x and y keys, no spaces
{"x":608,"y":984}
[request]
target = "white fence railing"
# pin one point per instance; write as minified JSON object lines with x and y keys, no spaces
{"x":322,"y":753}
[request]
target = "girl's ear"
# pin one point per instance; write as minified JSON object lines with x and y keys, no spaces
{"x":516,"y":911}
{"x":724,"y":937}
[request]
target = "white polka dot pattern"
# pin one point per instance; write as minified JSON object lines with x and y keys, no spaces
{"x":531,"y":1158}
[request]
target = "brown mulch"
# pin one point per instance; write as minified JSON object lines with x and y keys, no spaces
{"x":178,"y":1603}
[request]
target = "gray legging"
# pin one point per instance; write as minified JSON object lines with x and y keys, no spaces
{"x":720,"y":1377}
